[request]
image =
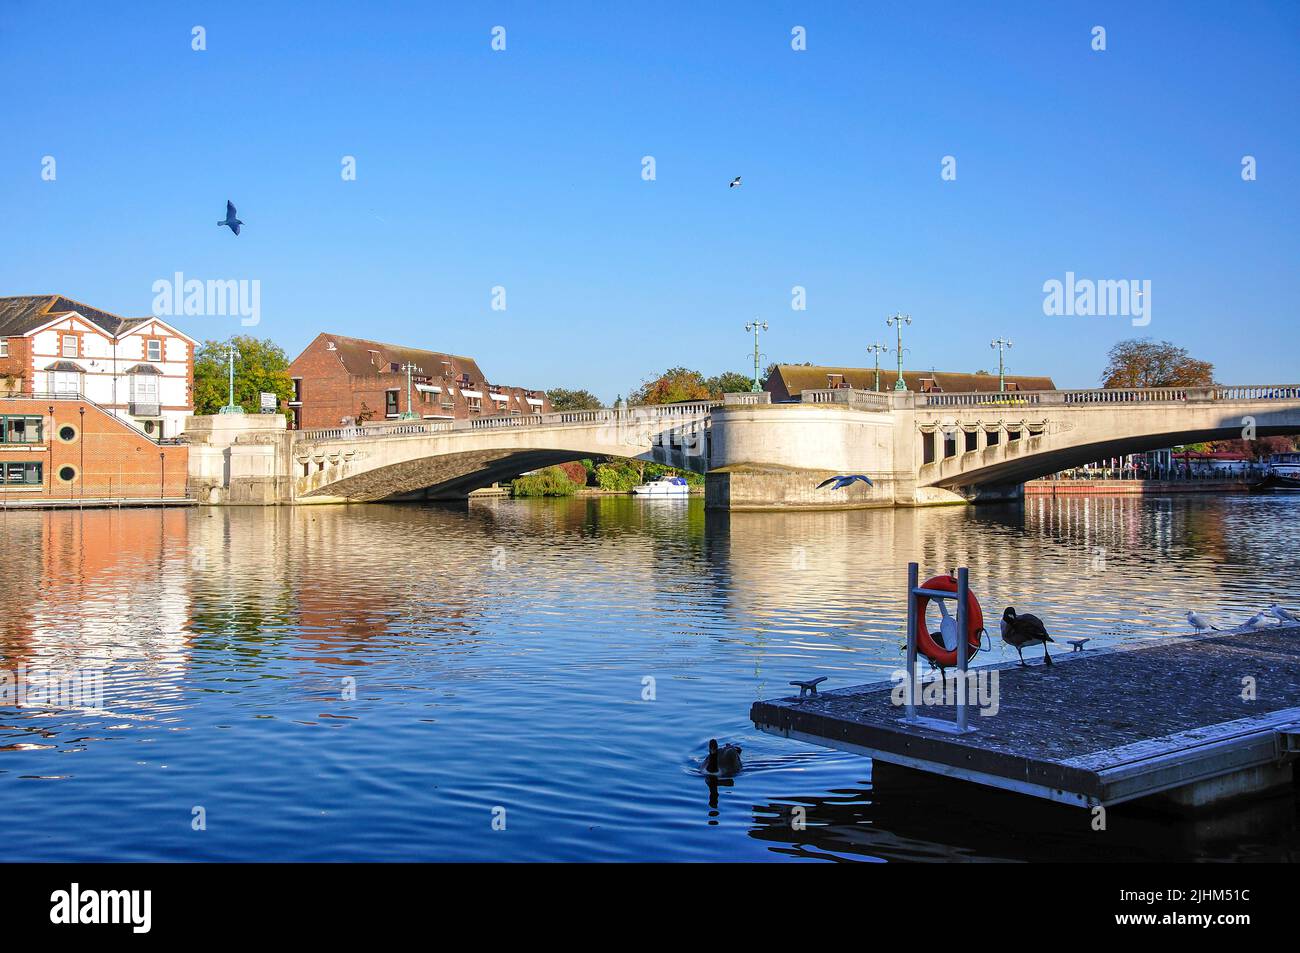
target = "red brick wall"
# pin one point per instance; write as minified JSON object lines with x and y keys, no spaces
{"x":109,"y":459}
{"x":16,"y":366}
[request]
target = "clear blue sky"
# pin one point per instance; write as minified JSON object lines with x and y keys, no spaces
{"x":523,"y":169}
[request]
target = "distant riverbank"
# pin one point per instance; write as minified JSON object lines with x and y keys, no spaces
{"x":1110,"y":487}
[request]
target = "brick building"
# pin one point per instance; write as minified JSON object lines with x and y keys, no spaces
{"x":67,"y":449}
{"x":140,"y":370}
{"x":340,"y":380}
{"x":788,"y":381}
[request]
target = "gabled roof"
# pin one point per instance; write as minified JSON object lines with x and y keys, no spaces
{"x":800,"y":377}
{"x":361,"y":357}
{"x":23,"y":313}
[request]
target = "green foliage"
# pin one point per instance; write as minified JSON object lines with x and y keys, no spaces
{"x":1142,"y":362}
{"x":260,"y":365}
{"x":549,"y":482}
{"x":621,"y":474}
{"x":614,"y":476}
{"x":729,"y":382}
{"x":565,"y":399}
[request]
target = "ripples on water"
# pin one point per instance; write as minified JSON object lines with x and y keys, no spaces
{"x":499,"y":656}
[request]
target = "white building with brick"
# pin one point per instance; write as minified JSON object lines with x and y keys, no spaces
{"x":141,"y":370}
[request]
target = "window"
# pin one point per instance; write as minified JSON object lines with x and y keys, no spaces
{"x":20,"y":429}
{"x":4,"y":347}
{"x":297,"y":390}
{"x":475,"y":403}
{"x":67,"y":474}
{"x":144,"y":388}
{"x":65,"y":382}
{"x":153,"y":350}
{"x":69,"y":346}
{"x":390,"y":403}
{"x":67,"y":433}
{"x":22,"y":474}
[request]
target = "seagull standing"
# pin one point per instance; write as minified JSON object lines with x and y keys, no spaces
{"x":1258,"y":620}
{"x":231,"y":222}
{"x":1283,"y":615}
{"x":735,"y":183}
{"x":1200,"y":623}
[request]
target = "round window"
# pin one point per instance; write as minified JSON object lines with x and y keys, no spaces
{"x":67,"y":433}
{"x":67,"y":474}
{"x":148,"y":426}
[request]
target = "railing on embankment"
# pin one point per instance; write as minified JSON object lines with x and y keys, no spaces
{"x":606,"y":416}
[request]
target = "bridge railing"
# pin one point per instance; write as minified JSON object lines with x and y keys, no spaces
{"x":1107,"y":395}
{"x":616,"y":416}
{"x":862,"y":399}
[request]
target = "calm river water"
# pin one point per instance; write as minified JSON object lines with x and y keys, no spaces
{"x":383,"y":682}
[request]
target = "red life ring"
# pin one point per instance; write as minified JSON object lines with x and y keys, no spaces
{"x":935,"y":652}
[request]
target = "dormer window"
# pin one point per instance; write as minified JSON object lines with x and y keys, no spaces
{"x":153,"y":349}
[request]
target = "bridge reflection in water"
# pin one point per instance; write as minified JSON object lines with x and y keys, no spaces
{"x":499,"y":653}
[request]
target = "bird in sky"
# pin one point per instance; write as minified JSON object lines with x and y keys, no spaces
{"x":1200,"y":623}
{"x":735,"y":183}
{"x":1019,"y":631}
{"x":1283,"y":615}
{"x":232,"y":222}
{"x":844,"y":480}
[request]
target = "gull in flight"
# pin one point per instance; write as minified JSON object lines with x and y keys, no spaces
{"x":1200,"y":623}
{"x":231,"y":222}
{"x":735,"y":183}
{"x":844,"y":480}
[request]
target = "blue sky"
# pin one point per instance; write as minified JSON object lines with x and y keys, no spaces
{"x":522,"y":169}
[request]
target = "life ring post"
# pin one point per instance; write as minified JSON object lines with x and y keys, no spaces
{"x":969,"y":623}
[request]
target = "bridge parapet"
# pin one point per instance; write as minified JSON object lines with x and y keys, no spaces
{"x":1131,"y":395}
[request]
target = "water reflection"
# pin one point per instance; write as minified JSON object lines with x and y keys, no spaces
{"x":326,"y":679}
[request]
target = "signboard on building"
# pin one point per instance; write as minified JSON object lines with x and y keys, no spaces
{"x":270,"y":403}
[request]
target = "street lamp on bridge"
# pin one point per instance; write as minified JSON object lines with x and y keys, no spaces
{"x":898,"y":320}
{"x":1001,"y":345}
{"x":877,"y":349}
{"x":409,"y":414}
{"x":231,"y":407}
{"x":756,"y":326}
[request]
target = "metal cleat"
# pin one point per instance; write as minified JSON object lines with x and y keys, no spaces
{"x":1078,"y":643}
{"x":809,"y":687}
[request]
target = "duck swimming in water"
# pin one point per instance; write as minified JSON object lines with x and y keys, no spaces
{"x":1021,"y":630}
{"x":724,"y":761}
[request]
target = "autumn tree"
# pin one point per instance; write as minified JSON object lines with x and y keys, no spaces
{"x":674,"y":384}
{"x":260,"y":365}
{"x":565,"y":399}
{"x":1141,"y":362}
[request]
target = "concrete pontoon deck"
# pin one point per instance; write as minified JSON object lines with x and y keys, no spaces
{"x":1098,"y":727}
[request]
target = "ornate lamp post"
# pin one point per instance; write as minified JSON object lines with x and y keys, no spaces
{"x":756,"y":326}
{"x":1001,"y":345}
{"x":877,"y":349}
{"x":409,"y":414}
{"x":231,"y":407}
{"x":898,"y":320}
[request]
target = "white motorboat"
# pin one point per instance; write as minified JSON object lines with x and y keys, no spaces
{"x":1283,"y":473}
{"x":664,"y":486}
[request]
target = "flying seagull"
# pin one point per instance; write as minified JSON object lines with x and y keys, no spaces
{"x":1019,"y":631}
{"x":1283,"y":615}
{"x":845,"y":480}
{"x":1200,"y":623}
{"x":735,"y":183}
{"x":231,"y":221}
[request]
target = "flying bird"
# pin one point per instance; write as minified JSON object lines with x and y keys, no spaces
{"x":1283,"y":615}
{"x":231,"y":222}
{"x":735,"y":183}
{"x":1200,"y":623}
{"x":1019,"y":631}
{"x":845,"y":480}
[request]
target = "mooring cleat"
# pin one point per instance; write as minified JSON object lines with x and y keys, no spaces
{"x":809,"y":687}
{"x":1078,"y":644}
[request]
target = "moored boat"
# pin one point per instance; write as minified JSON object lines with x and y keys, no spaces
{"x":664,"y":486}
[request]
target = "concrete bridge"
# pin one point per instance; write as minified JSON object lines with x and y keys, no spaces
{"x":917,"y":448}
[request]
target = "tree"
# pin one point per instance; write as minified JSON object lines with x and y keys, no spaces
{"x":260,"y":365}
{"x":1141,"y":362}
{"x":728,"y":382}
{"x":674,"y":384}
{"x":564,"y":399}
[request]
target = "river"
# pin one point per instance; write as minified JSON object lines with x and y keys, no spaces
{"x":538,"y":679}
